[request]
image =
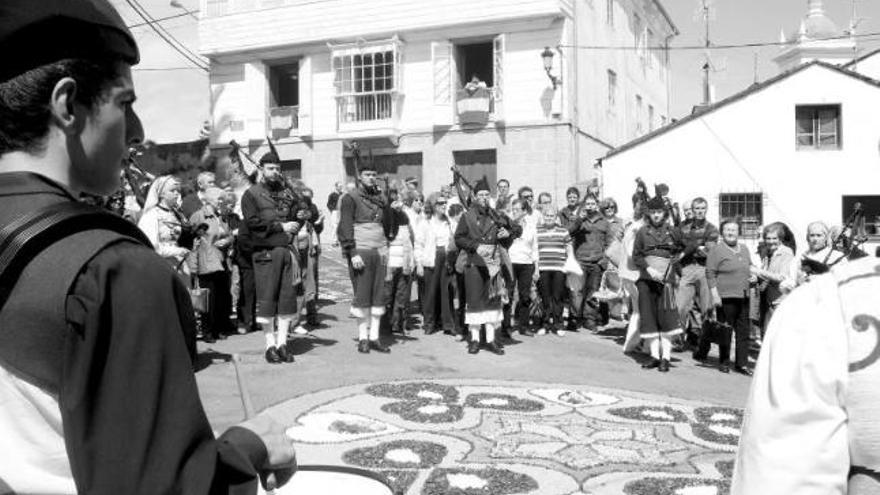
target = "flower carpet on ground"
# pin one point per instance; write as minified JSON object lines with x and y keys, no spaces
{"x":472,"y":437}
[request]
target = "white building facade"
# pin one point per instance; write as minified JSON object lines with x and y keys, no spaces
{"x":391,"y":78}
{"x":798,"y":148}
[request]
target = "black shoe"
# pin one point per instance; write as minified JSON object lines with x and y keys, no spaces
{"x":663,"y":367}
{"x":590,"y":326}
{"x":364,"y":346}
{"x":272,"y":355}
{"x":473,"y":347}
{"x":495,"y":348}
{"x":448,"y":332}
{"x":430,"y":330}
{"x":284,"y":354}
{"x":743,"y":370}
{"x":312,"y":321}
{"x":654,"y":363}
{"x":526,"y":331}
{"x":679,"y":347}
{"x":208,"y":339}
{"x":379,"y":347}
{"x":699,"y":357}
{"x":724,"y":368}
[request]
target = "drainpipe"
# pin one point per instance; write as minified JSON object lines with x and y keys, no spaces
{"x":668,"y":78}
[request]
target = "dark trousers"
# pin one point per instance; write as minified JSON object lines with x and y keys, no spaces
{"x":219,"y":302}
{"x":397,"y":292}
{"x":586,"y":306}
{"x":247,"y":299}
{"x":734,"y":312}
{"x":552,"y":287}
{"x":436,"y":303}
{"x":522,"y":285}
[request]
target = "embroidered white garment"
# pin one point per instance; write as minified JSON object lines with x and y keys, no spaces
{"x":813,"y":414}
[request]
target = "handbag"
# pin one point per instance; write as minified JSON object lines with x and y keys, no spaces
{"x":610,"y":288}
{"x":199,"y":297}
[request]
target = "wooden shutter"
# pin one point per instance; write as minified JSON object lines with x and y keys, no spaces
{"x":498,"y":67}
{"x":441,"y":62}
{"x":305,"y":96}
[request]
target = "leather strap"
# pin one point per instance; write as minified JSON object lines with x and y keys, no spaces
{"x":24,"y":238}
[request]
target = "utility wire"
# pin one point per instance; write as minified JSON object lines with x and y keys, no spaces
{"x":162,"y":69}
{"x":151,"y":22}
{"x":167,"y":33}
{"x":717,"y":47}
{"x":160,"y":19}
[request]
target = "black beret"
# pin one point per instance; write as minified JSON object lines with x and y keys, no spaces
{"x":482,"y":185}
{"x":656,"y":203}
{"x":269,"y":157}
{"x":39,"y":32}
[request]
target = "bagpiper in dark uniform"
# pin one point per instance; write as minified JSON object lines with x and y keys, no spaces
{"x":655,"y":250}
{"x":364,"y":222}
{"x":269,"y":209}
{"x":484,"y":235}
{"x":97,"y":334}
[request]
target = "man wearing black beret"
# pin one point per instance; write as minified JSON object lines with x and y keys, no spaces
{"x":96,"y":332}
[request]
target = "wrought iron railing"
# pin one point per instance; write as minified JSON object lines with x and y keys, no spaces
{"x":365,"y":107}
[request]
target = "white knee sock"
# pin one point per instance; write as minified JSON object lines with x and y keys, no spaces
{"x":666,"y":347}
{"x":283,"y":330}
{"x":655,"y":348}
{"x":375,"y":321}
{"x":268,"y":331}
{"x":490,"y":333}
{"x":363,"y":328}
{"x":475,"y":333}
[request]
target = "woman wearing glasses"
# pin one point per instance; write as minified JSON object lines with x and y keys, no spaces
{"x":432,"y":240}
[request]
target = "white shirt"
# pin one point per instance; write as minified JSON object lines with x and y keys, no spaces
{"x":524,"y":250}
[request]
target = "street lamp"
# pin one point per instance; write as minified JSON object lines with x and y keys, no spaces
{"x":177,"y":5}
{"x":547,"y":58}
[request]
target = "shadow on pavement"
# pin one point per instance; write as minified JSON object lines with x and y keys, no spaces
{"x":207,"y":358}
{"x":302,"y":345}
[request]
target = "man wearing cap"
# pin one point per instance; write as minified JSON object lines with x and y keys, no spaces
{"x":655,"y":250}
{"x":364,"y":219}
{"x":483,"y":235}
{"x":97,"y":334}
{"x":272,"y":219}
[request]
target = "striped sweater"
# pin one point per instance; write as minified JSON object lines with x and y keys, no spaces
{"x":552,"y":243}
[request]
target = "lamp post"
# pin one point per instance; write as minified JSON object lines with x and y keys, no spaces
{"x":547,"y":58}
{"x":176,"y":4}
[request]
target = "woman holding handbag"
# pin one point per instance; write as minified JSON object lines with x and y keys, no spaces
{"x":728,"y":272}
{"x":208,"y":262}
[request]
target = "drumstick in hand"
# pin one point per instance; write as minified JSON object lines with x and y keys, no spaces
{"x":249,"y":413}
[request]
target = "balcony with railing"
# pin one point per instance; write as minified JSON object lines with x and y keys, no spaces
{"x":283,"y":122}
{"x":373,"y":114}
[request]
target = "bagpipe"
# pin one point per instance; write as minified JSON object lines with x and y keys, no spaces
{"x":846,"y":242}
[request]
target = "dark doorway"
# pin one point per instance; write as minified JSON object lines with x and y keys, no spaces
{"x":476,"y":60}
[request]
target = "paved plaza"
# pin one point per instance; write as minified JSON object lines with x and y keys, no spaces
{"x":556,"y":415}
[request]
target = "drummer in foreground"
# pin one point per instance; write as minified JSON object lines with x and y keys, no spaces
{"x":117,"y":410}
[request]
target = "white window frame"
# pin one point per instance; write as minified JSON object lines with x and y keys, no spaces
{"x":345,"y":88}
{"x":816,"y":132}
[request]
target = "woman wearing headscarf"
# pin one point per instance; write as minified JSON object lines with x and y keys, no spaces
{"x":208,"y":261}
{"x":162,"y":221}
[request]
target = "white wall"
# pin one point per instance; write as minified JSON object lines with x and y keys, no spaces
{"x":305,"y":21}
{"x":749,"y":146}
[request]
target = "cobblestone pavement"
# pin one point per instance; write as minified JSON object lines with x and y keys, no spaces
{"x":556,"y":415}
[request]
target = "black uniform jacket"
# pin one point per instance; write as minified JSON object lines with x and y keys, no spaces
{"x":132,"y":418}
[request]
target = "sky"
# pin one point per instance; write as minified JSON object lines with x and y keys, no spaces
{"x":173,"y":96}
